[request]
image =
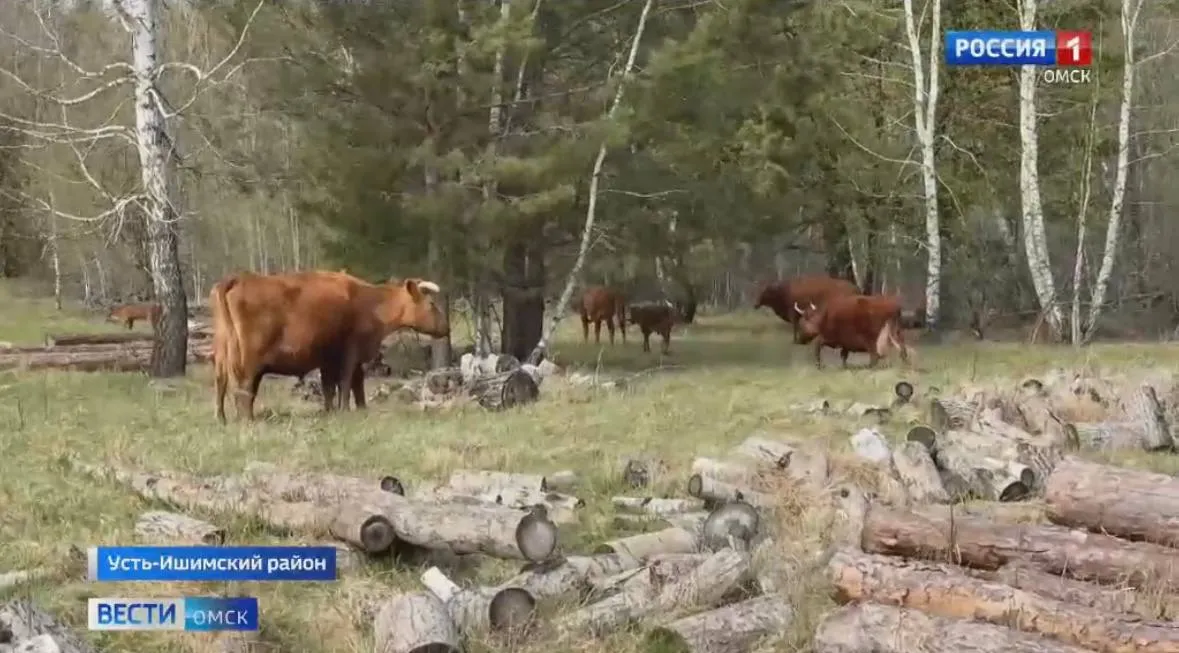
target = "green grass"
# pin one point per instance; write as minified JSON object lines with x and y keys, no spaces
{"x":727,"y":377}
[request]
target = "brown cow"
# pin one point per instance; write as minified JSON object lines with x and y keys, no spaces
{"x":654,"y":317}
{"x":600,"y":304}
{"x":127,"y":314}
{"x":291,"y":324}
{"x":858,"y":323}
{"x":782,"y":296}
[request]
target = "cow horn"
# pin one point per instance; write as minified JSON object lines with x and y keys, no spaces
{"x":798,"y":308}
{"x":814,"y":308}
{"x":429,"y":286}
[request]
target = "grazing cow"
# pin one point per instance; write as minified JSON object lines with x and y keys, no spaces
{"x":600,"y":304}
{"x":127,"y":314}
{"x":654,"y":317}
{"x":783,"y":296}
{"x":858,"y":323}
{"x":291,"y":324}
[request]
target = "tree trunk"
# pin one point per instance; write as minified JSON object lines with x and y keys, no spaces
{"x":440,"y":348}
{"x":735,"y":628}
{"x":1136,"y":505}
{"x":169,"y":355}
{"x":523,"y":297}
{"x":946,"y":591}
{"x":943,"y":535}
{"x":874,"y":628}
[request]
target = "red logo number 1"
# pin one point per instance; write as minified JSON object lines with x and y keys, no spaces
{"x":1074,"y":49}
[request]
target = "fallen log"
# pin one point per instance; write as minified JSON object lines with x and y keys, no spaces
{"x":161,"y":527}
{"x":851,"y":511}
{"x":714,"y":492}
{"x":71,"y":339}
{"x":923,"y":435}
{"x":474,"y":367}
{"x":946,"y":413}
{"x":481,"y":481}
{"x":1039,"y":417}
{"x":735,"y":628}
{"x":936,"y":533}
{"x":1109,"y":436}
{"x":903,"y":391}
{"x":491,"y":530}
{"x":641,"y":471}
{"x":656,"y":506}
{"x":919,"y":475}
{"x":571,"y":574}
{"x":946,"y":591}
{"x":1109,"y":600}
{"x":645,"y":545}
{"x":21,"y":576}
{"x":117,"y":360}
{"x":364,"y":527}
{"x":869,"y":445}
{"x":980,"y":466}
{"x":502,"y":391}
{"x":1136,"y":505}
{"x":609,"y":614}
{"x":562,"y":481}
{"x":658,"y":572}
{"x":415,"y":623}
{"x":734,"y":524}
{"x":725,"y":470}
{"x":1143,"y":408}
{"x":29,"y":629}
{"x":875,"y":628}
{"x":480,"y":610}
{"x":767,"y":452}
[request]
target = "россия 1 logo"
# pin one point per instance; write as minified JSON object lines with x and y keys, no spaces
{"x":1066,"y":55}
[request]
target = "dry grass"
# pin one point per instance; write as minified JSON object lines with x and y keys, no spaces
{"x":727,"y":377}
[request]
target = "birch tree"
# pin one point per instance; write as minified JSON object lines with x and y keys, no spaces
{"x":925,"y":95}
{"x":1131,"y":9}
{"x":1035,"y":238}
{"x":562,"y":306}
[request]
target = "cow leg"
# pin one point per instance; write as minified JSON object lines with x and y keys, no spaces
{"x":585,"y":328}
{"x":843,"y":353}
{"x":666,"y":333}
{"x":329,"y":378}
{"x":794,"y":323}
{"x":350,"y":367}
{"x":130,"y":323}
{"x":247,"y":395}
{"x":622,"y":326}
{"x":646,"y":338}
{"x":819,"y":353}
{"x":222,"y":385}
{"x":597,"y":332}
{"x":358,"y":389}
{"x":610,"y":328}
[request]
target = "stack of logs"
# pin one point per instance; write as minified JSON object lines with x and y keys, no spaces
{"x":495,"y":382}
{"x":115,"y":352}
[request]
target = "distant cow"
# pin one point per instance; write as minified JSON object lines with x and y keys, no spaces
{"x":127,"y":314}
{"x":782,"y":296}
{"x":854,"y":323}
{"x":291,"y":324}
{"x":600,"y":304}
{"x":654,"y":317}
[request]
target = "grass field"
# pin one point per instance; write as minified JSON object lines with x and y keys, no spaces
{"x":727,"y":377}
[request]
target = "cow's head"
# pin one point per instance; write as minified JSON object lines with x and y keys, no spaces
{"x":412,"y":305}
{"x":809,"y":322}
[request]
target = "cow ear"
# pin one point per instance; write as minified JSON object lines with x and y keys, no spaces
{"x":411,"y":287}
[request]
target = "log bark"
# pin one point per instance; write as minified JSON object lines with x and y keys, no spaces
{"x":874,"y":628}
{"x":805,"y":466}
{"x":917,"y":472}
{"x":1109,"y":600}
{"x":29,"y":628}
{"x":935,"y":534}
{"x":645,"y":545}
{"x":714,"y":492}
{"x":170,"y":527}
{"x":364,"y":527}
{"x":476,"y":611}
{"x":725,"y":470}
{"x":656,"y":506}
{"x":944,"y":590}
{"x":735,"y":628}
{"x":869,"y":445}
{"x":117,"y":360}
{"x":980,"y":466}
{"x":641,"y":471}
{"x":562,"y":481}
{"x":1143,"y":408}
{"x":766,"y":452}
{"x":609,"y":614}
{"x":415,"y":623}
{"x":1136,"y":505}
{"x":689,"y":521}
{"x":734,"y":524}
{"x":502,"y":391}
{"x":348,"y":558}
{"x":947,"y":413}
{"x":70,"y":339}
{"x":570,"y":575}
{"x":1037,"y":413}
{"x":21,"y":576}
{"x":481,"y":481}
{"x":446,"y":381}
{"x":851,"y":512}
{"x":658,"y":572}
{"x":491,"y":530}
{"x":1109,"y":436}
{"x":475,"y":367}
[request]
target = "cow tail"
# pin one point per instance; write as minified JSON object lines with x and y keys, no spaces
{"x":892,"y":337}
{"x":227,"y":334}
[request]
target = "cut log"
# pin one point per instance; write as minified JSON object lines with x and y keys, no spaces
{"x":415,"y":623}
{"x":945,"y":591}
{"x":870,"y":445}
{"x":1037,"y":414}
{"x":903,"y":391}
{"x":502,"y":391}
{"x":735,"y":628}
{"x":364,"y":527}
{"x":491,"y":530}
{"x":851,"y":511}
{"x":609,"y":614}
{"x":446,"y":381}
{"x":348,"y":558}
{"x":725,"y":470}
{"x":875,"y":628}
{"x":391,"y":484}
{"x":639,"y":472}
{"x":562,"y":481}
{"x":771,"y":453}
{"x":1109,"y":600}
{"x":1143,"y":408}
{"x":657,"y":507}
{"x":120,"y":360}
{"x":645,"y":545}
{"x":480,"y":610}
{"x":1133,"y":504}
{"x":713,"y":491}
{"x":29,"y":629}
{"x":734,"y":524}
{"x":70,"y":339}
{"x":570,"y":575}
{"x":659,"y":571}
{"x":926,"y":436}
{"x":878,"y":414}
{"x":624,"y":521}
{"x":947,"y":413}
{"x":967,"y":458}
{"x":935,"y":533}
{"x":1109,"y":436}
{"x":21,"y":576}
{"x":481,"y":481}
{"x":473,"y":368}
{"x":919,"y":475}
{"x":689,"y":521}
{"x":170,"y":527}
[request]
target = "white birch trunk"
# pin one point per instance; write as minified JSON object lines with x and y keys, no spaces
{"x":169,"y":353}
{"x":592,"y":204}
{"x":925,"y":97}
{"x":54,"y":251}
{"x":1035,"y":239}
{"x":101,"y":278}
{"x":1130,"y":12}
{"x":1075,"y":330}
